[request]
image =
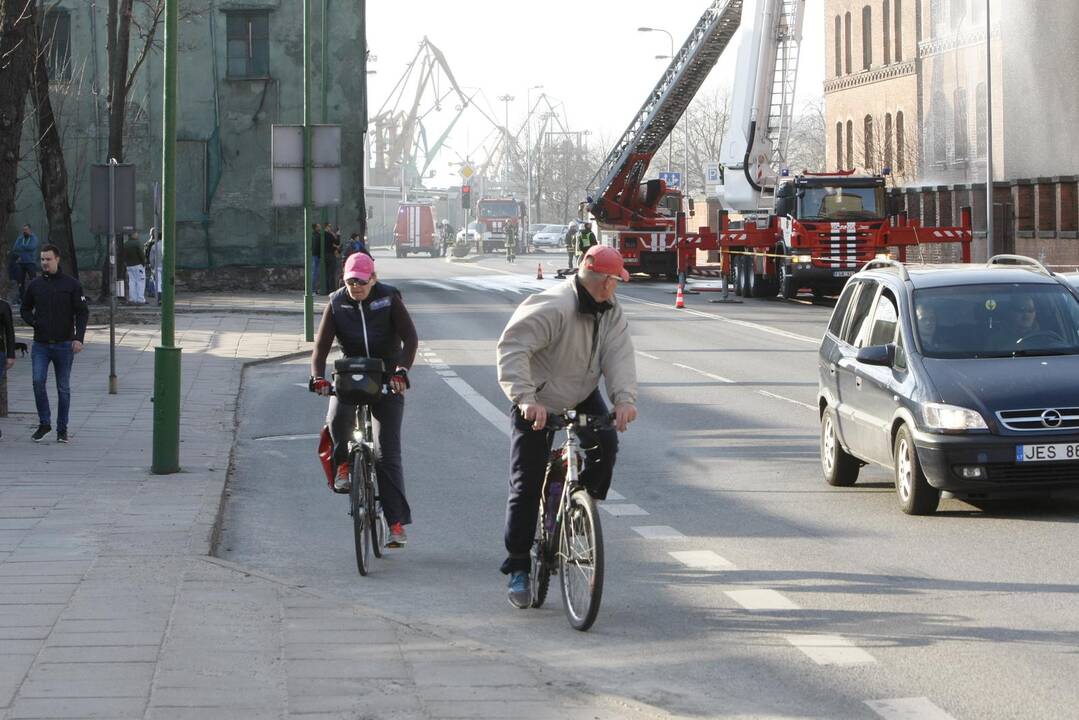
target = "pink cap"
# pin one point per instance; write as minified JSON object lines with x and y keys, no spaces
{"x":360,"y":266}
{"x":606,"y":260}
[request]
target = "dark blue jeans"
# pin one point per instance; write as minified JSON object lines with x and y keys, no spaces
{"x":61,"y":356}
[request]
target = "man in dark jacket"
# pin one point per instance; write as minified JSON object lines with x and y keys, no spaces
{"x":55,"y":307}
{"x":7,"y":341}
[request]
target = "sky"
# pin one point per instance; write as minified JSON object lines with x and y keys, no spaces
{"x":588,"y":56}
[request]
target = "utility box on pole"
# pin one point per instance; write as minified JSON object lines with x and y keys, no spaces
{"x":286,"y":154}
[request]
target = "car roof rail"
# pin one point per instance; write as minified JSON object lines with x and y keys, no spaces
{"x":880,"y":263}
{"x":1002,"y":260}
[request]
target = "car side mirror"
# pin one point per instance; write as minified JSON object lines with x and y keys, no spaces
{"x":882,"y":355}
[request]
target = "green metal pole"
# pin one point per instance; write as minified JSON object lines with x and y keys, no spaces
{"x":308,"y":301}
{"x":166,"y":450}
{"x":323,"y":73}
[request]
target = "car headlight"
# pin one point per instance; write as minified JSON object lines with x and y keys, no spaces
{"x":938,"y":416}
{"x":803,"y":258}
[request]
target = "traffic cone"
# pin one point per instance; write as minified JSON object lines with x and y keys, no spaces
{"x":539,"y":271}
{"x":679,"y":299}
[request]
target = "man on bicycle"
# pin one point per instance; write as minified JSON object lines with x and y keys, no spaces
{"x":369,"y":319}
{"x":551,"y":356}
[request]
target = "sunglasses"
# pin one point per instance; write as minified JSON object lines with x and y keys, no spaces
{"x":356,"y":282}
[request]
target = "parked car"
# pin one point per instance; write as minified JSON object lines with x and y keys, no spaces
{"x":957,"y":378}
{"x":549,"y":236}
{"x":471,"y":235}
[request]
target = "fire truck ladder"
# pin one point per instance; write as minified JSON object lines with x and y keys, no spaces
{"x":673,"y":93}
{"x":788,"y":38}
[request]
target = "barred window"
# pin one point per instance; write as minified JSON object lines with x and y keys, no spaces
{"x":248,"y":36}
{"x":56,"y":40}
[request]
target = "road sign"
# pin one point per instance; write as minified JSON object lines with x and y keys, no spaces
{"x":711,"y":173}
{"x":673,"y":179}
{"x":124,"y":201}
{"x":467,"y":172}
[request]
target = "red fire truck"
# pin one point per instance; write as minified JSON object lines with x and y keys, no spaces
{"x":414,"y":230}
{"x":493,"y":215}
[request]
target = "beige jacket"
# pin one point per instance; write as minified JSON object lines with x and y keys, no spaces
{"x":545,"y":354}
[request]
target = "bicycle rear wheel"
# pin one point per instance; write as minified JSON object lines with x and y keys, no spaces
{"x":361,"y":517}
{"x":541,"y":565}
{"x":580,"y":560}
{"x":378,"y":520}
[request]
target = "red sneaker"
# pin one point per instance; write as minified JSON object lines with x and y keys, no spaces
{"x":397,"y":536}
{"x":342,"y":483}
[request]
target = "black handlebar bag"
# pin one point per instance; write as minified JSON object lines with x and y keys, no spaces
{"x":358,"y":380}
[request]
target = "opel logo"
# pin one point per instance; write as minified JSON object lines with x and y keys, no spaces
{"x":1051,"y":418}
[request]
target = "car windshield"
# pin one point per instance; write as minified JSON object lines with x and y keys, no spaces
{"x":996,"y":320}
{"x":507,"y":208}
{"x":842,"y":203}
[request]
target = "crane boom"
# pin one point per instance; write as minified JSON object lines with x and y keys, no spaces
{"x":614,"y":196}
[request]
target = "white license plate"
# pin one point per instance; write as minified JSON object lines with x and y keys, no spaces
{"x":1046,"y":452}
{"x":842,"y":273}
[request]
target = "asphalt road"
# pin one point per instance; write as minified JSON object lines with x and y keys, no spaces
{"x":738,"y":583}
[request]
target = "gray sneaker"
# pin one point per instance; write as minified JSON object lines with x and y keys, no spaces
{"x":520,"y":590}
{"x":397,"y":537}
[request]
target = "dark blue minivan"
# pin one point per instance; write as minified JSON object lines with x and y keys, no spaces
{"x":962,"y":378}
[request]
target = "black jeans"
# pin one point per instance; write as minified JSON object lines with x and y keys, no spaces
{"x":529,"y":451}
{"x":386,"y":414}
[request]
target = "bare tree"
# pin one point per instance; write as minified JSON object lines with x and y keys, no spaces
{"x":807,"y":147}
{"x":121,"y":20}
{"x":876,"y":148}
{"x":706,"y":120}
{"x":16,"y":59}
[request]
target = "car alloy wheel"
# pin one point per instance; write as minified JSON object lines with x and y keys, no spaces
{"x":828,"y":456}
{"x":904,"y":472}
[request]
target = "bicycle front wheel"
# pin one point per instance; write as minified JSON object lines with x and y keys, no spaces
{"x":580,"y":560}
{"x":378,"y":520}
{"x":361,"y":516}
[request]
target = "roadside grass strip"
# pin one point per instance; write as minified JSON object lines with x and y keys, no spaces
{"x":919,"y":708}
{"x":830,"y":650}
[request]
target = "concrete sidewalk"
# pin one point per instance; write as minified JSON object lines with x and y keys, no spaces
{"x":110,"y":605}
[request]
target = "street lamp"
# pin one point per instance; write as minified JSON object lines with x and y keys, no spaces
{"x":988,"y":133}
{"x":670,"y":147}
{"x":507,"y":99}
{"x":528,"y":152}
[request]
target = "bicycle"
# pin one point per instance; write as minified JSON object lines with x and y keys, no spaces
{"x":568,"y":533}
{"x":355,"y":379}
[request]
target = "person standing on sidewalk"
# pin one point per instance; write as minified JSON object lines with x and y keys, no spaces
{"x":7,"y":341}
{"x":316,"y":255}
{"x":55,"y":306}
{"x":135,"y":260}
{"x":570,"y":241}
{"x":23,"y":260}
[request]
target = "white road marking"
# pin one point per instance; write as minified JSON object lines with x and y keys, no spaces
{"x":446,"y":373}
{"x":767,"y":394}
{"x":436,"y":284}
{"x":702,"y":560}
{"x":718,"y":378}
{"x":481,"y":404}
{"x":275,"y":453}
{"x":625,"y":509}
{"x":830,"y":650}
{"x":288,"y":437}
{"x":615,"y":495}
{"x":742,"y":323}
{"x":657,"y":532}
{"x":919,"y":708}
{"x":761,"y":599}
{"x":639,"y":352}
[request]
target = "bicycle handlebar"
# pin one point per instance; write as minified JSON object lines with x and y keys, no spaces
{"x":560,"y":421}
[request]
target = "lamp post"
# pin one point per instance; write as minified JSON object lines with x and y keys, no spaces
{"x":988,"y":133}
{"x":528,"y":152}
{"x":506,"y":99}
{"x":670,"y":147}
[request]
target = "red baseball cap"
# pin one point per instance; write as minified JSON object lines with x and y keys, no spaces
{"x":606,"y":260}
{"x":360,"y":266}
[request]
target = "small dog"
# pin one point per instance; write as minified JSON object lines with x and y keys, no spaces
{"x":21,"y":348}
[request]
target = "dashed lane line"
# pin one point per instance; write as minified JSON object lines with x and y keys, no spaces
{"x":657,"y":532}
{"x":644,"y":354}
{"x":702,"y":560}
{"x":761,"y":599}
{"x":772,"y":395}
{"x":709,"y":375}
{"x":615,"y":495}
{"x":918,"y":708}
{"x":831,"y":650}
{"x":480,"y":404}
{"x":741,"y":323}
{"x":624,"y":509}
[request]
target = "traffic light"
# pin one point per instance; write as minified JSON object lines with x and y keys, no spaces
{"x":466,"y":197}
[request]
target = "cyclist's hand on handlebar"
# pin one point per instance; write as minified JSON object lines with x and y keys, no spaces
{"x":537,"y":414}
{"x":320,"y":385}
{"x":623,"y":415}
{"x":399,"y":381}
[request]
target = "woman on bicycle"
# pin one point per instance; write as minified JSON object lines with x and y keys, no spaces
{"x":369,"y":319}
{"x":552,"y":354}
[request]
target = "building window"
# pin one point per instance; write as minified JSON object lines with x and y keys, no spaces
{"x":898,"y":26}
{"x":248,"y":36}
{"x":900,"y":144}
{"x":846,"y":41}
{"x":850,"y":144}
{"x":56,"y":39}
{"x":960,"y":131}
{"x":981,"y":120}
{"x":938,"y":126}
{"x":885,"y":19}
{"x":888,"y":141}
{"x":839,"y":146}
{"x":838,"y":46}
{"x":867,"y":37}
{"x":870,"y":154}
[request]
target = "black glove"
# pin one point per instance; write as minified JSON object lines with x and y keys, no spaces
{"x":402,"y":374}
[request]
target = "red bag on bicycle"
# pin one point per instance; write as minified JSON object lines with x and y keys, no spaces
{"x":325,"y":454}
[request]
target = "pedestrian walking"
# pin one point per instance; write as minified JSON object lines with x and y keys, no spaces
{"x":55,"y":307}
{"x":7,"y":341}
{"x":22,"y":263}
{"x":135,"y":260}
{"x":570,"y":241}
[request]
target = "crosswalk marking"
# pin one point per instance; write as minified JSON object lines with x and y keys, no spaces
{"x":830,"y":650}
{"x":624,"y":509}
{"x":918,"y":708}
{"x":657,"y":532}
{"x":761,"y":599}
{"x":702,"y":560}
